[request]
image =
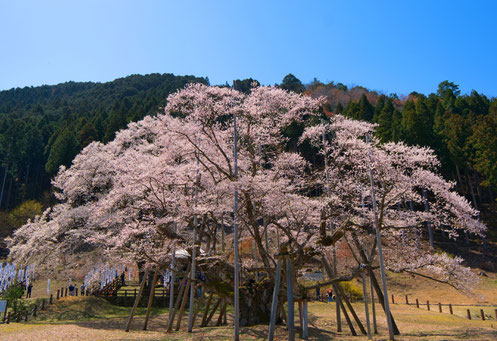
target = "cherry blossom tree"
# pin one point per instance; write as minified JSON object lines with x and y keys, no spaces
{"x":135,"y":198}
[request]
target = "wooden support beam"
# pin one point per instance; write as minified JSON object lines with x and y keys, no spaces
{"x":221,"y":313}
{"x":137,"y":300}
{"x":183,"y":303}
{"x":352,"y":311}
{"x":212,"y":312}
{"x":151,"y":297}
{"x":197,"y":308}
{"x":206,"y":311}
{"x":178,"y":300}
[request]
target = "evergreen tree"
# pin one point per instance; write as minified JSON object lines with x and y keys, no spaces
{"x":63,"y":150}
{"x":366,"y":110}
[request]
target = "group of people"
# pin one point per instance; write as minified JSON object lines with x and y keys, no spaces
{"x":330,"y":297}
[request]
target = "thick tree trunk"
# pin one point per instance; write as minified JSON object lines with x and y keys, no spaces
{"x":255,"y":303}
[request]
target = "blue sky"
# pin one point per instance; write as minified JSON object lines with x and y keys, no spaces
{"x":389,"y":46}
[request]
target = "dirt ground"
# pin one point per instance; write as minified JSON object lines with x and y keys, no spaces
{"x":414,"y":324}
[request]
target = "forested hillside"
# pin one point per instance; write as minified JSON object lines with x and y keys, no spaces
{"x":461,"y":128}
{"x":42,"y":128}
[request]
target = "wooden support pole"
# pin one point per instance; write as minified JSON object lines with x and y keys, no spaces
{"x":347,"y":318}
{"x":373,"y":308}
{"x":439,"y":307}
{"x":482,"y":315}
{"x":212,"y":312}
{"x":221,"y":313}
{"x":8,"y":318}
{"x":450,"y":309}
{"x":51,"y":299}
{"x":393,"y":300}
{"x":57,"y":294}
{"x":65,"y":295}
{"x":428,"y":305}
{"x":206,"y":311}
{"x":366,"y":308}
{"x":76,"y":291}
{"x":274,"y":304}
{"x":301,"y":318}
{"x":137,"y":300}
{"x":197,"y":308}
{"x":183,"y":303}
{"x":178,"y":300}
{"x":351,"y":309}
{"x":151,"y":297}
{"x":289,"y":295}
{"x":417,"y":303}
{"x":305,"y":333}
{"x":407,"y":300}
{"x":469,"y":314}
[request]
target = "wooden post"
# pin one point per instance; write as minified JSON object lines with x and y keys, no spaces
{"x":439,"y":307}
{"x":393,"y":300}
{"x":345,"y":314}
{"x":8,"y":317}
{"x":151,"y":297}
{"x":450,"y":309}
{"x":212,"y":312}
{"x":135,"y":293}
{"x":366,"y":309}
{"x":42,"y":304}
{"x":469,"y":314}
{"x":183,"y":303}
{"x":178,"y":300}
{"x":57,"y":295}
{"x":482,"y":315}
{"x":428,"y":305}
{"x":289,"y":295}
{"x":373,"y":309}
{"x":305,"y":330}
{"x":417,"y":303}
{"x":125,"y":293}
{"x":221,"y":313}
{"x":51,"y":299}
{"x":301,"y":318}
{"x":206,"y":311}
{"x":407,"y":300}
{"x":197,"y":308}
{"x":137,"y":300}
{"x":352,"y":311}
{"x":65,"y":295}
{"x":76,"y":290}
{"x":274,"y":304}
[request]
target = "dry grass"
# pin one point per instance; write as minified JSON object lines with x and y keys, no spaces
{"x":92,"y":319}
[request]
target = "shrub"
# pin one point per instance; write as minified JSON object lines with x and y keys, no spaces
{"x":352,"y":290}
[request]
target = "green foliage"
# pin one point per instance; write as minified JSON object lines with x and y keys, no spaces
{"x":14,"y":296}
{"x":44,"y":127}
{"x":27,"y":210}
{"x":352,"y":290}
{"x":292,"y":83}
